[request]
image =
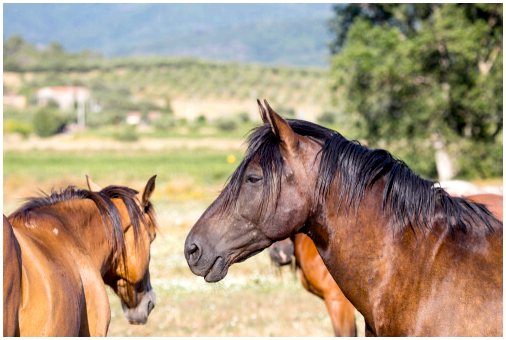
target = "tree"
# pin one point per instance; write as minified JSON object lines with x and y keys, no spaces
{"x":421,"y":71}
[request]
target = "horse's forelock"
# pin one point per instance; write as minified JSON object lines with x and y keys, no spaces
{"x":263,"y":148}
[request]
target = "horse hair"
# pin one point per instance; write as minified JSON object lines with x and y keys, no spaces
{"x":354,"y":169}
{"x":109,"y":214}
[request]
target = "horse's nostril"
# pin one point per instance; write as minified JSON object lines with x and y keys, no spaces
{"x":193,"y":253}
{"x":151,"y":305}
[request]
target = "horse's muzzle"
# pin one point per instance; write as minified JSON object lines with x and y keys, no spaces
{"x":139,"y":315}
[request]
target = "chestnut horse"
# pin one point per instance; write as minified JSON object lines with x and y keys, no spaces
{"x":62,"y":247}
{"x":316,"y":279}
{"x":12,"y":281}
{"x":411,"y":258}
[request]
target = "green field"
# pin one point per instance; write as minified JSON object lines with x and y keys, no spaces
{"x":181,"y":174}
{"x":254,"y":299}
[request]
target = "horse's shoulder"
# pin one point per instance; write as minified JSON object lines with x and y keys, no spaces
{"x":43,"y":253}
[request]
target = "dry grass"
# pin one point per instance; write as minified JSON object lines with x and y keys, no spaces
{"x":253,"y":300}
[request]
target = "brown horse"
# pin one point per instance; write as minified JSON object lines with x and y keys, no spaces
{"x":70,"y":243}
{"x":12,"y":281}
{"x":316,"y":279}
{"x":412,"y":259}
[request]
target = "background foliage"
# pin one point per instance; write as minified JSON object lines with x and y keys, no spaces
{"x":420,"y":71}
{"x":401,"y":77}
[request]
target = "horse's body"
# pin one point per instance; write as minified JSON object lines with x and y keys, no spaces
{"x":316,"y":279}
{"x":69,"y":243}
{"x":12,"y":281}
{"x":430,"y":285}
{"x":411,"y":258}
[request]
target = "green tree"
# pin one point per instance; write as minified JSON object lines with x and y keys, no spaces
{"x":422,"y":71}
{"x":48,"y":121}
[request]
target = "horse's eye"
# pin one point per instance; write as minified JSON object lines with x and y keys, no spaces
{"x":253,"y":179}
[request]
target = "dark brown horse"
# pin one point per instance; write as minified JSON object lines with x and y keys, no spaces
{"x":411,"y":258}
{"x":68,"y":244}
{"x":316,"y":279}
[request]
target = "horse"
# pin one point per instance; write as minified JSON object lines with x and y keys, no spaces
{"x":412,"y":259}
{"x":12,"y":281}
{"x":70,"y":243}
{"x":316,"y":279}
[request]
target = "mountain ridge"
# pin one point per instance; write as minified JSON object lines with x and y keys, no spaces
{"x":281,"y":34}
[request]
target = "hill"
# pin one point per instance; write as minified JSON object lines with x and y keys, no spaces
{"x":191,"y":87}
{"x":281,"y":34}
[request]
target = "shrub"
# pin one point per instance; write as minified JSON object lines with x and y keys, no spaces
{"x":127,"y":134}
{"x":164,"y":122}
{"x":226,"y":124}
{"x":47,"y":122}
{"x":201,"y":120}
{"x":15,"y":126}
{"x":243,"y":117}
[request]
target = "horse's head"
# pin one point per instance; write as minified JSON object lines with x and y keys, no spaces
{"x":129,"y":276}
{"x":281,"y":252}
{"x":268,"y":198}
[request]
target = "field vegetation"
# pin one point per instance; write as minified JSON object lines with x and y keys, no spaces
{"x":254,"y":299}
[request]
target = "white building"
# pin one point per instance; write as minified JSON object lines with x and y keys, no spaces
{"x":67,"y":97}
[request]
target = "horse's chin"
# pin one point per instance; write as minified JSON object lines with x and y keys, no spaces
{"x":139,"y":315}
{"x":217,"y":271}
{"x":219,"y":268}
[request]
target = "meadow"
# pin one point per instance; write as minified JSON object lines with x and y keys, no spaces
{"x":255,"y":299}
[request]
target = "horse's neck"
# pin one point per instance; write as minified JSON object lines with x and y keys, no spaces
{"x":86,"y":229}
{"x":361,"y":250}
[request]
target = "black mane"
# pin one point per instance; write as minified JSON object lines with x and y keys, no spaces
{"x":352,"y":169}
{"x":109,"y":214}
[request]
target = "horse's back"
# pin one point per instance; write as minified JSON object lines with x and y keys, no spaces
{"x":12,"y":281}
{"x":492,"y":201}
{"x":52,"y":292}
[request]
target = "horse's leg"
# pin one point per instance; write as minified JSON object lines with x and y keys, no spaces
{"x":12,"y":281}
{"x":96,"y":315}
{"x":342,"y":316}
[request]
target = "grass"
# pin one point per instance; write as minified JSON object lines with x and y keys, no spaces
{"x":252,"y":300}
{"x":181,"y":174}
{"x":181,"y":131}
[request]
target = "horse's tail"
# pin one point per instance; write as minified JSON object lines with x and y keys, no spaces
{"x":12,"y":281}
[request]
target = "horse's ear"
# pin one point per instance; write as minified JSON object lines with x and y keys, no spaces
{"x":92,"y":186}
{"x":282,"y":129}
{"x":263,"y":112}
{"x":148,"y":190}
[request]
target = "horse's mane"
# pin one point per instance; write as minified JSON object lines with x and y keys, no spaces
{"x":109,"y":214}
{"x":411,"y":200}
